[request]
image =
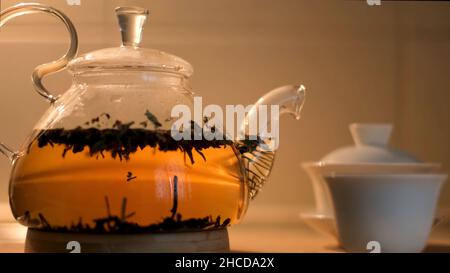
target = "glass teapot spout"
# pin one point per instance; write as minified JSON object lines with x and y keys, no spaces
{"x":6,"y":151}
{"x":258,"y":150}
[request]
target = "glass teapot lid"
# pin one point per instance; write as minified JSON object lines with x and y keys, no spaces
{"x":129,"y":56}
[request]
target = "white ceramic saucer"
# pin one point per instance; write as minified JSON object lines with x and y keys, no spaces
{"x":320,"y":222}
{"x":325,"y":223}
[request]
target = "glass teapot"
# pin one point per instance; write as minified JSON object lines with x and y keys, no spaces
{"x":102,"y":159}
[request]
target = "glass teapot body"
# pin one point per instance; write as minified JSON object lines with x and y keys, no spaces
{"x":102,"y":159}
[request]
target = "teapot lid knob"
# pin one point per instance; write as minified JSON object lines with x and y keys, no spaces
{"x":131,"y":22}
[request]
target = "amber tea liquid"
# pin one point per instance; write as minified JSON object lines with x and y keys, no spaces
{"x":64,"y":188}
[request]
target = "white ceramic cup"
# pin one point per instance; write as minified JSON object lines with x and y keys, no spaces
{"x":394,"y":210}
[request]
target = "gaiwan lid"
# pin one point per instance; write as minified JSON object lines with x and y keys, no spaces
{"x":371,"y":146}
{"x":130,"y":56}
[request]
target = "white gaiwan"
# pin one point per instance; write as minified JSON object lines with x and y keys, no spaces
{"x":389,"y":179}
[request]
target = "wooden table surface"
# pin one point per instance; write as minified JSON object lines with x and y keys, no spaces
{"x":279,"y":237}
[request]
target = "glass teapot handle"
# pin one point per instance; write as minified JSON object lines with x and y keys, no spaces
{"x":45,"y":69}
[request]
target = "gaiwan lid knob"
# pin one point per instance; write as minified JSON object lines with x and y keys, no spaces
{"x":371,"y":134}
{"x":371,"y":146}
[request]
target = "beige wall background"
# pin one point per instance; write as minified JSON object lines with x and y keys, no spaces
{"x":389,"y":63}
